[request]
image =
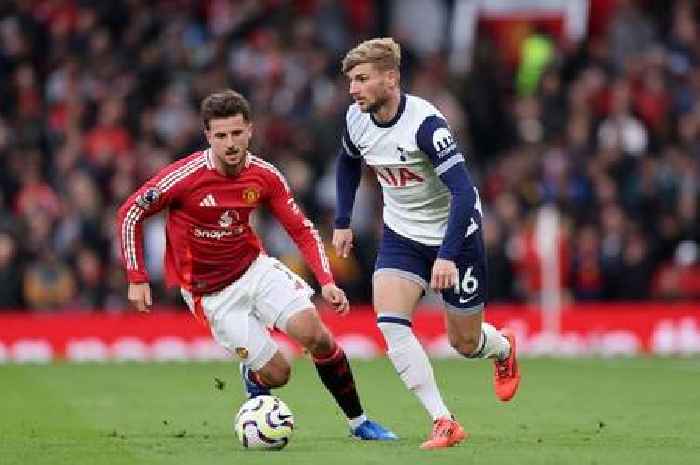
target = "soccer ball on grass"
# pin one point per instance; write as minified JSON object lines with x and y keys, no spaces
{"x":264,"y":422}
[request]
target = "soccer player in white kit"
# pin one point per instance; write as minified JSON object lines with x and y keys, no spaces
{"x":432,"y":229}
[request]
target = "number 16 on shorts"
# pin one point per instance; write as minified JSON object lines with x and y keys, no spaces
{"x":468,"y":285}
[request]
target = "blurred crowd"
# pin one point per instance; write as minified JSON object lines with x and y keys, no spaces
{"x":96,"y":97}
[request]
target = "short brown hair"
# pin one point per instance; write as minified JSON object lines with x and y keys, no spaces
{"x":384,"y":52}
{"x":224,"y":104}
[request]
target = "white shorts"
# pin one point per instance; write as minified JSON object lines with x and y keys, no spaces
{"x":239,"y":315}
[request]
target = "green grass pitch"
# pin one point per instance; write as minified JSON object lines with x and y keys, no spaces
{"x":618,"y":411}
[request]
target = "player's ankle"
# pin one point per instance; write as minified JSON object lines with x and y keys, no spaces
{"x":357,"y":421}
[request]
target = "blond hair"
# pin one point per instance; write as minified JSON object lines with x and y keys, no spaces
{"x":383,"y":52}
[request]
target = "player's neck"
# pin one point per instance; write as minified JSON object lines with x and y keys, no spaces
{"x":387,"y":112}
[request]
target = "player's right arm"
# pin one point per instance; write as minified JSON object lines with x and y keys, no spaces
{"x":155,"y":195}
{"x":347,"y":179}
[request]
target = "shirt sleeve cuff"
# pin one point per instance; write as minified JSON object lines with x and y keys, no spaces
{"x":342,"y":222}
{"x":137,"y":278}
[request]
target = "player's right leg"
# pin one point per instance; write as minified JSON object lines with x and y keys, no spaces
{"x":401,"y":277}
{"x":275,"y":373}
{"x":235,"y":327}
{"x":395,"y":297}
{"x":263,"y":367}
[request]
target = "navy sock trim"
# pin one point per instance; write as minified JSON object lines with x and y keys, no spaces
{"x":394,"y":319}
{"x":480,"y":350}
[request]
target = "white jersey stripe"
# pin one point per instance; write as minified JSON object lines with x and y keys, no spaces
{"x":347,"y":149}
{"x":325,"y":264}
{"x":182,"y":174}
{"x":131,"y":232}
{"x":125,"y":246}
{"x":174,"y":173}
{"x":167,"y":179}
{"x":321,"y":250}
{"x":270,"y":167}
{"x":136,"y":212}
{"x":449,"y":163}
{"x":127,"y":240}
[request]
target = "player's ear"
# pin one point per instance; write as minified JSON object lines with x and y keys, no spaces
{"x":393,"y":76}
{"x":207,"y":134}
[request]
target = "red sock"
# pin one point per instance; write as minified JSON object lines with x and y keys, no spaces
{"x":335,"y":373}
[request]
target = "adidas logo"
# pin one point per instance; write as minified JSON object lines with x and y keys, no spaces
{"x":208,"y":201}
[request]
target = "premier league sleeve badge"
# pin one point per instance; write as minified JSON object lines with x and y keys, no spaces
{"x":148,"y":198}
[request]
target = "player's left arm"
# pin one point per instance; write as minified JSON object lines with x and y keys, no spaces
{"x":435,"y":140}
{"x":308,"y":240}
{"x":300,"y":229}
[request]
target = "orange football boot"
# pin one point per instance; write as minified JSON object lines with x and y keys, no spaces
{"x":506,"y":375}
{"x":446,"y":433}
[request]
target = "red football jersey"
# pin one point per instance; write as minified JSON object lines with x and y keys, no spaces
{"x":210,"y":242}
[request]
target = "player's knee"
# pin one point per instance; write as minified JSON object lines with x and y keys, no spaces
{"x":396,"y":331}
{"x":464,"y":344}
{"x":276,"y":372}
{"x":307,"y":329}
{"x":277,"y":376}
{"x":317,"y":340}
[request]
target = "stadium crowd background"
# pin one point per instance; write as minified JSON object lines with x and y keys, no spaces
{"x":95,"y":97}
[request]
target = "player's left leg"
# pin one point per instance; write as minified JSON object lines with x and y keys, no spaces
{"x":282,"y":299}
{"x":474,"y":338}
{"x":305,"y":327}
{"x":466,"y":330}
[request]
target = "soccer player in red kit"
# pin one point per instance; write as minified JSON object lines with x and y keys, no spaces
{"x":218,"y":261}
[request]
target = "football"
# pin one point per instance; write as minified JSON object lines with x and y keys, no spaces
{"x":264,"y":422}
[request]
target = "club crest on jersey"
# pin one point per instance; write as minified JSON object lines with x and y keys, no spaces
{"x":242,"y":352}
{"x":251,"y":195}
{"x":402,"y":153}
{"x":148,"y":198}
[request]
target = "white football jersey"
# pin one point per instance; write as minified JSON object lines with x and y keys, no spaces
{"x":416,"y":201}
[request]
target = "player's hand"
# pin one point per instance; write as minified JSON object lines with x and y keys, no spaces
{"x":445,"y":274}
{"x":342,"y":241}
{"x":336,"y":297}
{"x":140,"y":296}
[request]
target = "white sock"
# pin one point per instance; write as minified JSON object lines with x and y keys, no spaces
{"x":411,"y":362}
{"x":492,"y":344}
{"x":357,"y":421}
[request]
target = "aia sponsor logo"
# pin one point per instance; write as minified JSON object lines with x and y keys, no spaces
{"x":398,"y":177}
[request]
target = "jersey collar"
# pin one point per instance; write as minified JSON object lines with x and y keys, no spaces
{"x":395,"y":119}
{"x":209,"y":159}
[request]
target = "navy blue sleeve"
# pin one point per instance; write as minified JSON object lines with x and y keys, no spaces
{"x":347,"y":178}
{"x":435,"y":140}
{"x":350,"y":149}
